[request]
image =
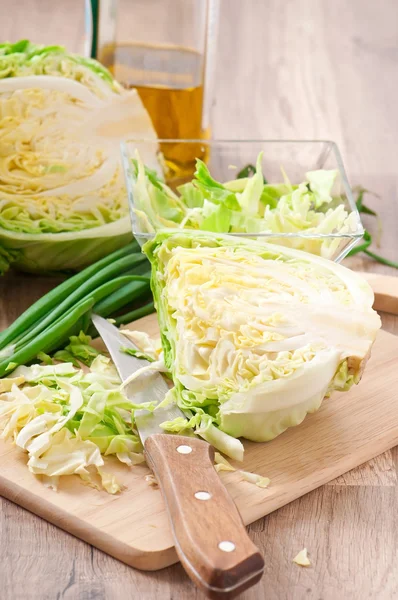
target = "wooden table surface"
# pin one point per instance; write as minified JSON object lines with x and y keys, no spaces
{"x":309,"y":69}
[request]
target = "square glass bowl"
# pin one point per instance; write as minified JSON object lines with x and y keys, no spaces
{"x":226,"y":158}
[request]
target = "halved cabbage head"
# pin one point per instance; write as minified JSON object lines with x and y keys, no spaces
{"x":63,"y":202}
{"x":256,"y":335}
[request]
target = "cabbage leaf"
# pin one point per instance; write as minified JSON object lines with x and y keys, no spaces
{"x":255,"y":335}
{"x":68,"y":419}
{"x":63,"y":202}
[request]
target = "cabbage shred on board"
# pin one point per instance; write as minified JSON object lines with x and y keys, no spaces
{"x":63,"y":202}
{"x":255,"y":335}
{"x":67,"y":419}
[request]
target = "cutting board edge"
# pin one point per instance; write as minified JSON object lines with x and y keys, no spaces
{"x":154,"y":560}
{"x":130,"y":555}
{"x":275,"y":504}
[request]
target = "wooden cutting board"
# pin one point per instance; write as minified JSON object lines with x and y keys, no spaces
{"x":385,"y":288}
{"x":347,"y":431}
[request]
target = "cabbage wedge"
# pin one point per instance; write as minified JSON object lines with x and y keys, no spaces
{"x":63,"y":201}
{"x":256,"y":335}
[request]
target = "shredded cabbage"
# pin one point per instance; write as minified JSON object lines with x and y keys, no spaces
{"x":302,"y":559}
{"x":62,"y":194}
{"x":221,"y":463}
{"x":150,"y":349}
{"x":258,"y":480}
{"x":255,"y":335}
{"x":248,"y":206}
{"x":66,"y":419}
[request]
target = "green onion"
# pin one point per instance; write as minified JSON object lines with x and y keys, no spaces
{"x":89,"y":286}
{"x":45,"y":342}
{"x":367,"y":238}
{"x":114,"y":283}
{"x":119,"y":298}
{"x":381,"y":259}
{"x":104,"y":290}
{"x":148,"y":309}
{"x":40,"y":308}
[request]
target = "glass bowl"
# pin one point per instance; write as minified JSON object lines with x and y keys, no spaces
{"x":225,"y":159}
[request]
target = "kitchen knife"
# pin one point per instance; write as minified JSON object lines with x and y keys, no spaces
{"x":210,"y":538}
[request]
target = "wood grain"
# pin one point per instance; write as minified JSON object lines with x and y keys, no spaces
{"x":347,"y":431}
{"x":201,"y":525}
{"x":298,"y":69}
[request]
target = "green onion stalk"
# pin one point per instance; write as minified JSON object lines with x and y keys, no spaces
{"x":117,"y":287}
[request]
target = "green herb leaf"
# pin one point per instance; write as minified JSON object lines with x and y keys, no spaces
{"x":359,"y":201}
{"x":248,"y":171}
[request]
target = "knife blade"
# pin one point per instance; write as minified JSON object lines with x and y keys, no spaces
{"x":210,"y":538}
{"x":150,"y":387}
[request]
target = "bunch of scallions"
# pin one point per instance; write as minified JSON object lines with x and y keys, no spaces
{"x":113,"y":287}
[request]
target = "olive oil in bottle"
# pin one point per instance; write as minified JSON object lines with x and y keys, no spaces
{"x":169,"y":80}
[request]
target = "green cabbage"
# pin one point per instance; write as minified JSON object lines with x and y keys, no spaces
{"x":306,"y":211}
{"x":63,"y":202}
{"x":256,"y":335}
{"x":66,"y":418}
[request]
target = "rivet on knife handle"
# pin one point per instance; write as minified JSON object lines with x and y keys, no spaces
{"x":210,"y":538}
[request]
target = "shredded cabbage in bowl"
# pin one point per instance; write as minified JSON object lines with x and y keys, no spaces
{"x":310,"y":215}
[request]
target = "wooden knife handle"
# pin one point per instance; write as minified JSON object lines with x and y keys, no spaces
{"x":210,"y":538}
